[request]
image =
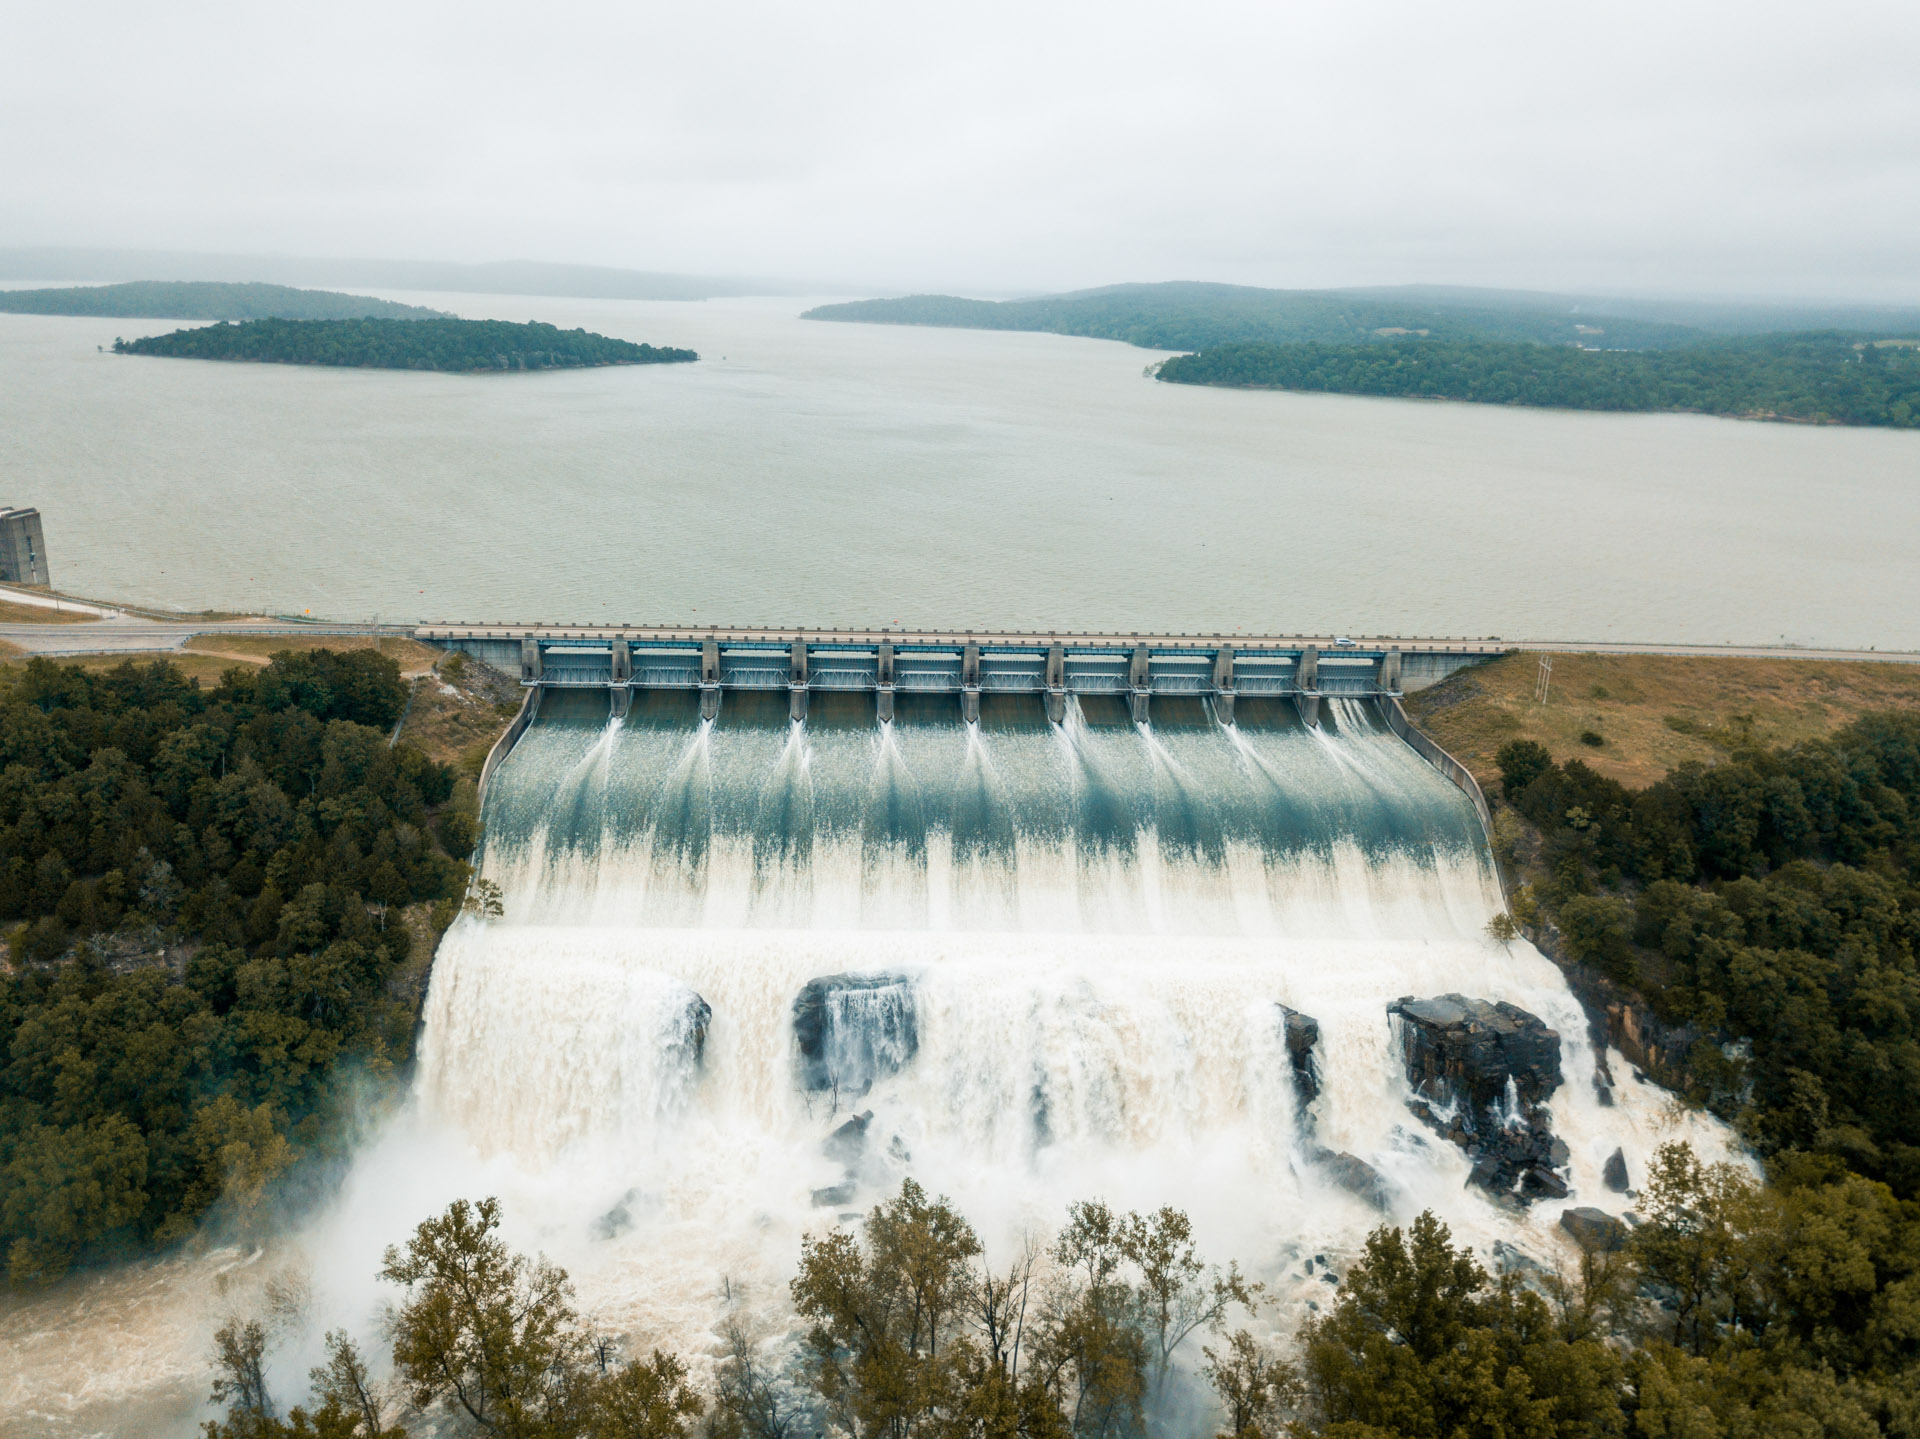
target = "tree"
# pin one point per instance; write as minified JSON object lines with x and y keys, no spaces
{"x":1704,"y":1240}
{"x":1255,"y":1388}
{"x":66,"y":1189}
{"x":1420,"y":1344}
{"x":485,"y":1333}
{"x":1521,"y":762}
{"x":886,"y":1313}
{"x":749,"y":1401}
{"x":642,"y":1399}
{"x":1176,"y":1293}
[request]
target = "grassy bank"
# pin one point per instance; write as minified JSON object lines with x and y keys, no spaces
{"x":1652,"y":712}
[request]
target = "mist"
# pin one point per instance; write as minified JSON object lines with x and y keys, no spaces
{"x":1706,"y":148}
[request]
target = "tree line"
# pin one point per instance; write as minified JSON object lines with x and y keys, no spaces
{"x":207,"y":300}
{"x":1766,"y":909}
{"x":1820,"y":378}
{"x":1189,"y":315}
{"x":415,"y":344}
{"x":211,"y":896}
{"x":1734,"y":1310}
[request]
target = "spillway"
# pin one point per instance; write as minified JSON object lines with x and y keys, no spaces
{"x":753,"y":971}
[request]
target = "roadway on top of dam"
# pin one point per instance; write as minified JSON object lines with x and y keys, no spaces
{"x":124,"y":633}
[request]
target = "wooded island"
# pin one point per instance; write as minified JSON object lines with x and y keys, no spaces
{"x":459,"y":345}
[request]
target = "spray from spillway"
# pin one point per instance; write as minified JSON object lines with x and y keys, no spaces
{"x":751,"y":973}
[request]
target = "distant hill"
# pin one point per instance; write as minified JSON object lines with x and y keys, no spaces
{"x":461,"y":345}
{"x":506,"y":277}
{"x":1719,"y":317}
{"x":207,"y":300}
{"x":1185,"y":315}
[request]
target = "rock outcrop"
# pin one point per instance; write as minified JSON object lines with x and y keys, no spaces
{"x":1356,"y":1176}
{"x":1614,"y":1176}
{"x":848,"y":1144}
{"x":1301,"y":1033}
{"x":850,"y":1030}
{"x":693,"y":1029}
{"x":1594,"y":1230}
{"x":1481,"y":1074}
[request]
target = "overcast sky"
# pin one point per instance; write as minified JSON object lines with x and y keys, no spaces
{"x":1737,"y":146}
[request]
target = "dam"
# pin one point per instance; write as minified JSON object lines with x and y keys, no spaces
{"x":1061,"y":921}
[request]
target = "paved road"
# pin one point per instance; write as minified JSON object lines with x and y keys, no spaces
{"x":124,"y":634}
{"x":128,"y":635}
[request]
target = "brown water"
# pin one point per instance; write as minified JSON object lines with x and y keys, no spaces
{"x":807,"y":473}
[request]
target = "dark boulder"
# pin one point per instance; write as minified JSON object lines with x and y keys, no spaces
{"x":1356,"y":1176}
{"x":837,"y":1194}
{"x":1461,"y":1050}
{"x":848,"y":1143}
{"x":1301,"y":1033}
{"x":1614,"y":1176}
{"x":1481,"y":1074}
{"x":850,"y":1030}
{"x":694,"y":1023}
{"x":1594,"y":1230}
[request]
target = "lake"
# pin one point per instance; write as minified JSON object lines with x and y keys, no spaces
{"x":810,"y":474}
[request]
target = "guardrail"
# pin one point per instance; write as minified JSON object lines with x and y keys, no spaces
{"x":1424,"y":746}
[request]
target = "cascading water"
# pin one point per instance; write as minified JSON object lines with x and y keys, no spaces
{"x":751,"y":973}
{"x":1030,"y":962}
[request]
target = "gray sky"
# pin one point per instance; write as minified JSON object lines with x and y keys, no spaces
{"x":1737,"y":146}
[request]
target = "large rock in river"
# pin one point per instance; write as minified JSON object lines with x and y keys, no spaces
{"x":850,"y":1030}
{"x":1481,"y":1074}
{"x":1301,"y":1034}
{"x":1461,"y":1050}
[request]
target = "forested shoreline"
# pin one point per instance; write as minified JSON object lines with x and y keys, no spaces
{"x":212,"y":898}
{"x":1826,"y":378}
{"x":1768,"y":903}
{"x":421,"y":344}
{"x":207,"y":300}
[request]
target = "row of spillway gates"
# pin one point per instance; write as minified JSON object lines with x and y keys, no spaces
{"x":1136,"y":669}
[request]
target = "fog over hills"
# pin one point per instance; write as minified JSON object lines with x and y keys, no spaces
{"x":505,"y":277}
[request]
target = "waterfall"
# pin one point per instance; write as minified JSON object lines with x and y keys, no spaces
{"x":752,"y":973}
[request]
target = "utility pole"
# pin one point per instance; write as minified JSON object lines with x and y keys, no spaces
{"x":1543,"y":682}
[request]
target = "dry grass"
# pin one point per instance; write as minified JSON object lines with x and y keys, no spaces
{"x":205,"y":668}
{"x":12,"y":612}
{"x":414,"y":657}
{"x":457,"y":720}
{"x":1652,"y":711}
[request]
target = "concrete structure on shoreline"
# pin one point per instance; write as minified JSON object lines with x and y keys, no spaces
{"x":23,"y":547}
{"x":1132,"y":668}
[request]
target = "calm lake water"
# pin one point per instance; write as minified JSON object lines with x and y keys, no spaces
{"x":813,"y":474}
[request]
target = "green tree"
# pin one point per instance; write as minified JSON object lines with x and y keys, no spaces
{"x":1257,"y":1390}
{"x":886,"y":1314}
{"x":485,"y":1333}
{"x":1420,"y":1344}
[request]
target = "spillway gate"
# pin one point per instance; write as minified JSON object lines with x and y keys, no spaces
{"x":1135,"y":669}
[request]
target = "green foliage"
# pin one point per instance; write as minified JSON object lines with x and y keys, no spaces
{"x":422,"y":344}
{"x":1421,"y":1343}
{"x":1256,"y":1390}
{"x":1772,"y":899}
{"x":1823,"y":377}
{"x":1521,"y":762}
{"x":201,"y":886}
{"x":207,"y":300}
{"x":485,"y":1333}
